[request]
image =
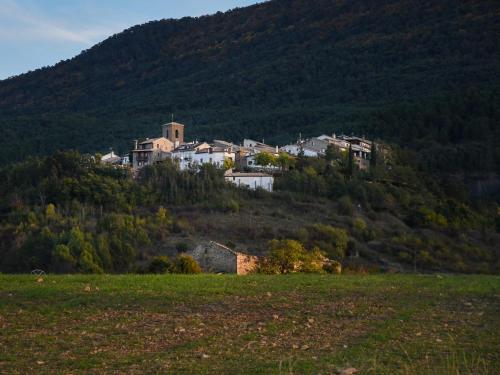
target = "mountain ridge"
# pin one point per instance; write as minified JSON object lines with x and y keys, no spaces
{"x":270,"y":70}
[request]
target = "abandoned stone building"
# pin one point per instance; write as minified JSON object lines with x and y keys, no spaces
{"x":216,"y":258}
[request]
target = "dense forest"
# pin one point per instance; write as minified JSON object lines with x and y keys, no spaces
{"x":69,"y":213}
{"x":425,"y":74}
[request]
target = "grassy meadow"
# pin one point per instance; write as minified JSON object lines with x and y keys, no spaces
{"x":296,"y":324}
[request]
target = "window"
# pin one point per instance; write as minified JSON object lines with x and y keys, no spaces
{"x":176,"y":133}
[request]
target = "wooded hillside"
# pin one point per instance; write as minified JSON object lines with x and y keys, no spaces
{"x":423,"y":72}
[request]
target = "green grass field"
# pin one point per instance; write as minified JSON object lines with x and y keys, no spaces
{"x":300,"y":324}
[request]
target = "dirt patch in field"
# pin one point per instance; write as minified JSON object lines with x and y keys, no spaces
{"x":232,"y":329}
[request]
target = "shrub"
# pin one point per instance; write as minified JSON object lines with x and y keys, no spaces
{"x":345,"y":206}
{"x":351,"y":248}
{"x":359,"y":225}
{"x":160,"y":264}
{"x":287,"y":256}
{"x":231,"y":205}
{"x":182,"y":225}
{"x":181,"y":247}
{"x":313,"y":261}
{"x":331,"y":239}
{"x":405,"y":257}
{"x":333,"y":267}
{"x":186,"y":264}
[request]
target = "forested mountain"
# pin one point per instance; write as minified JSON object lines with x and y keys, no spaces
{"x":423,"y":73}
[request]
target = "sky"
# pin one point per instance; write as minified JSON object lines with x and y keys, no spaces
{"x":38,"y":33}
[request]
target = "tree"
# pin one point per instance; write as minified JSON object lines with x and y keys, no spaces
{"x":265,"y":159}
{"x":285,"y":161}
{"x":50,"y":212}
{"x":332,"y":153}
{"x":63,"y":261}
{"x":350,"y":163}
{"x":373,"y":157}
{"x":228,"y":164}
{"x":163,"y":217}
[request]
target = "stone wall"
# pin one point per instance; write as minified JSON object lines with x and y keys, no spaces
{"x":214,"y":257}
{"x":245,"y":263}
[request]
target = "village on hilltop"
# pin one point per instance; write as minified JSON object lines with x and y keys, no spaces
{"x":242,"y":163}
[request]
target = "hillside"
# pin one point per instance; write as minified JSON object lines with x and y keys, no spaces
{"x":68,"y":213}
{"x":205,"y":324}
{"x":423,"y":73}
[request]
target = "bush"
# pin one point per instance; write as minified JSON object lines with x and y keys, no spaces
{"x":351,"y":248}
{"x":287,"y":256}
{"x":359,"y":225}
{"x":182,"y":225}
{"x":233,"y":206}
{"x":333,"y":267}
{"x":333,"y":240}
{"x":345,"y":206}
{"x":181,"y":247}
{"x":185,"y":264}
{"x":160,"y":264}
{"x":313,"y":261}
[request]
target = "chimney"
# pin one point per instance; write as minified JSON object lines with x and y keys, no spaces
{"x":136,"y":143}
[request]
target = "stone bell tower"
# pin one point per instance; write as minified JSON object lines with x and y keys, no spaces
{"x":174,"y":132}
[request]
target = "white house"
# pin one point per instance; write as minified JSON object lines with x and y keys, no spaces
{"x":213,"y":155}
{"x":250,"y":180}
{"x":126,"y":160}
{"x":184,"y":154}
{"x":111,"y":158}
{"x":295,"y":149}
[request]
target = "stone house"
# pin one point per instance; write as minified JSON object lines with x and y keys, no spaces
{"x":216,"y":258}
{"x":151,"y":151}
{"x":341,"y":144}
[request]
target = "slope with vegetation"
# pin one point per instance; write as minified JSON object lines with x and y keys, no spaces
{"x":69,"y":213}
{"x":422,"y":73}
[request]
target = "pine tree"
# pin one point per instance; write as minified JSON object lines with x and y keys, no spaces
{"x":350,"y":163}
{"x":373,"y":157}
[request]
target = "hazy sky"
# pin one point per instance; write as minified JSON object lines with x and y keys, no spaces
{"x":37,"y":33}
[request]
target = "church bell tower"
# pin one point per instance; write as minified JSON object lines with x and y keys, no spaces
{"x":174,"y":132}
